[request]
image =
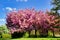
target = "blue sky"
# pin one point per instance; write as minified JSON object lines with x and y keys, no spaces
{"x":9,"y":5}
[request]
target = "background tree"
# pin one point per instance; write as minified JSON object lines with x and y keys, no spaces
{"x":56,"y":7}
{"x":55,"y":25}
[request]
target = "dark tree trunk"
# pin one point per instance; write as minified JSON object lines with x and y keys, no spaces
{"x":29,"y":33}
{"x":44,"y":33}
{"x":35,"y":32}
{"x":53,"y":34}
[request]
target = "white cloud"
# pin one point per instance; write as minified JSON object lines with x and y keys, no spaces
{"x":10,"y":9}
{"x":2,"y":20}
{"x":21,"y":0}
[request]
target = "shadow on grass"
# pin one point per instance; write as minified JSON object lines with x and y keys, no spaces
{"x":33,"y":36}
{"x":17,"y":35}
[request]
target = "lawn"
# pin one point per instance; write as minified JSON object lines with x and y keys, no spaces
{"x":33,"y":39}
{"x":37,"y":39}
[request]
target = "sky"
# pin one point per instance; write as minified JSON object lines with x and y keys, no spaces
{"x":9,"y":5}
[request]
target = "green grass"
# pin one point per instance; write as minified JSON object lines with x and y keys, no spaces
{"x":33,"y":39}
{"x":37,"y":39}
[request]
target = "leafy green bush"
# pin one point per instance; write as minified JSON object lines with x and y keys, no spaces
{"x":26,"y":35}
{"x":6,"y":36}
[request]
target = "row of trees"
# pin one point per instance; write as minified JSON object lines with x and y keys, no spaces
{"x":30,"y":19}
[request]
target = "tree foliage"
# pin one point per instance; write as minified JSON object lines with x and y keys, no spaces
{"x":56,"y":6}
{"x":30,"y":19}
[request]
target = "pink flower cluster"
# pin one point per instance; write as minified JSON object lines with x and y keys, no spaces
{"x":29,"y":19}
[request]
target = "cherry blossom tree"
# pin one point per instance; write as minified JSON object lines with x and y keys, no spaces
{"x":30,"y":19}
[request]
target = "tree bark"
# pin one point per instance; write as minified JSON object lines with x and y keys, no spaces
{"x":35,"y":32}
{"x":53,"y":33}
{"x":44,"y":33}
{"x":29,"y":33}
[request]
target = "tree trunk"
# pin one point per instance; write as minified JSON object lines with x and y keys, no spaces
{"x":44,"y":33}
{"x":53,"y":34}
{"x":35,"y":32}
{"x":29,"y":33}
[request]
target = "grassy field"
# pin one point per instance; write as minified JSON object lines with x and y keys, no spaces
{"x":37,"y":39}
{"x":33,"y":39}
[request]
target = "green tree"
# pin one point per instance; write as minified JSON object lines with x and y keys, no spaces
{"x":56,"y":7}
{"x":4,"y":29}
